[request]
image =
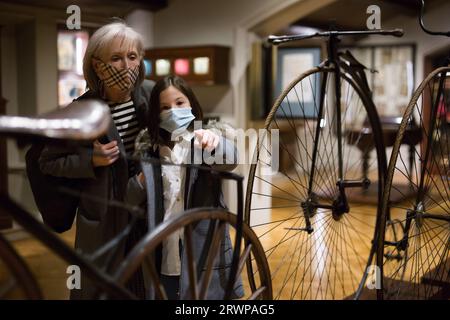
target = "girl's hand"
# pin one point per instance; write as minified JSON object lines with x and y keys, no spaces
{"x":206,"y":139}
{"x":141,"y":179}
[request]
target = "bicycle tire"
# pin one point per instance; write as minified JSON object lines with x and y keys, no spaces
{"x":198,"y":290}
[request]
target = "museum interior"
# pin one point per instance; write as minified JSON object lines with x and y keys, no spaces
{"x":337,"y":110}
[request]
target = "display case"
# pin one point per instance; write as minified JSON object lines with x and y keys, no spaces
{"x":205,"y":65}
{"x":441,"y":142}
{"x":390,"y":73}
{"x":71,"y":48}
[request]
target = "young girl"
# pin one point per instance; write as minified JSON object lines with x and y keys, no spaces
{"x":171,"y":189}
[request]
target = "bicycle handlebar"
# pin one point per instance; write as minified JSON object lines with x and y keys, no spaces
{"x":281,"y":39}
{"x":422,"y":25}
{"x":82,"y":120}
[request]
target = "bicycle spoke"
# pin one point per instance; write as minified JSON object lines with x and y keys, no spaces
{"x":191,"y":265}
{"x":205,"y":279}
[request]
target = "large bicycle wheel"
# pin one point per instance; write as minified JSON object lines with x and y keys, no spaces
{"x":16,"y":279}
{"x":202,"y":258}
{"x":415,"y":259}
{"x":308,"y":210}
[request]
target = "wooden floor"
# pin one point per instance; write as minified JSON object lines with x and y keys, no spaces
{"x":321,"y":265}
{"x":51,"y":271}
{"x":329,"y":263}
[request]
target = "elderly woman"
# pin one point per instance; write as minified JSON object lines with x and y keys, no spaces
{"x":114,"y":71}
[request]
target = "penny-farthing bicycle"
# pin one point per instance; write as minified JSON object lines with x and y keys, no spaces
{"x":413,"y":246}
{"x":316,"y":235}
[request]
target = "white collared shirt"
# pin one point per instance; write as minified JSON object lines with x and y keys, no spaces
{"x":173,"y":178}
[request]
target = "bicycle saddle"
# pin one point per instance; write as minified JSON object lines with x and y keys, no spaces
{"x":81,"y":120}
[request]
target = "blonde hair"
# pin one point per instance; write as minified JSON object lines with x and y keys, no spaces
{"x":101,"y":40}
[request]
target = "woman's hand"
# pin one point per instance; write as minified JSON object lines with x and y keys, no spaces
{"x":206,"y":139}
{"x":105,"y":154}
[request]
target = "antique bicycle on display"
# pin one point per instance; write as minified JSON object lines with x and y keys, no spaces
{"x":82,"y":124}
{"x":413,"y":246}
{"x":310,"y":215}
{"x":303,"y":231}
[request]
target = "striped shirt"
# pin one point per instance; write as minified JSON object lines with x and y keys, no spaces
{"x":125,"y":119}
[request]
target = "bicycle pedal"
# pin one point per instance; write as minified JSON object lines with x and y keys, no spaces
{"x":397,"y":257}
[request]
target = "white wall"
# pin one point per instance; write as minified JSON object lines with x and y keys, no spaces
{"x":142,"y":22}
{"x":46,"y":65}
{"x":200,"y":22}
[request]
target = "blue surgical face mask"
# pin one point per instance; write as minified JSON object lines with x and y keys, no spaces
{"x":175,"y":119}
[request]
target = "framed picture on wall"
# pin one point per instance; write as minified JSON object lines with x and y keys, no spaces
{"x":290,"y":63}
{"x":71,"y":47}
{"x":69,"y":88}
{"x":392,"y":82}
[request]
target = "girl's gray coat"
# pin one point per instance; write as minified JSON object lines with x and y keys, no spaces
{"x":201,"y":190}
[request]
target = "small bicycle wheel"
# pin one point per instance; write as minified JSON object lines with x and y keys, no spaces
{"x":202,"y":259}
{"x":308,"y":210}
{"x":16,"y":279}
{"x":415,"y":261}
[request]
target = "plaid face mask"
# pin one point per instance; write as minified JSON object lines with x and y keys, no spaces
{"x":123,"y":79}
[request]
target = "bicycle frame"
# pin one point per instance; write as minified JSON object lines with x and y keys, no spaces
{"x":331,"y":61}
{"x":337,"y":63}
{"x":42,"y":233}
{"x":422,"y":25}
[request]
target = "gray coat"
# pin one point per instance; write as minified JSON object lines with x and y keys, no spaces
{"x":196,"y":182}
{"x":97,"y":222}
